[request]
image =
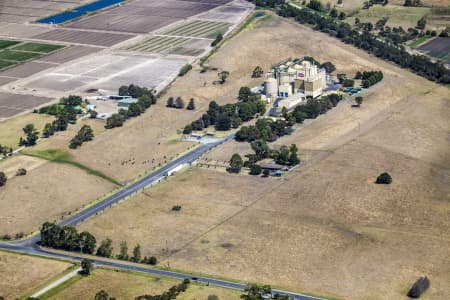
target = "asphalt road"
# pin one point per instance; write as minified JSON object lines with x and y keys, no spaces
{"x":30,"y":245}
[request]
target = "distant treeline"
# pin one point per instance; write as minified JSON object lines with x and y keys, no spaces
{"x":363,"y":39}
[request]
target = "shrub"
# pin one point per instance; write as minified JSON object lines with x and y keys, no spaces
{"x":176,"y":208}
{"x":21,"y":172}
{"x":384,"y":178}
{"x":3,"y":179}
{"x":184,"y":70}
{"x":419,"y":287}
{"x":217,"y":40}
{"x":255,"y":169}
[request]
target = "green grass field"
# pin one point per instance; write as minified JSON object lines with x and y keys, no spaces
{"x":417,"y":42}
{"x":5,"y":64}
{"x":406,"y":17}
{"x":17,"y":55}
{"x":5,"y":44}
{"x":13,"y":52}
{"x":36,"y":47}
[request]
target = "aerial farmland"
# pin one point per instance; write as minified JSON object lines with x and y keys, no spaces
{"x":224,"y":149}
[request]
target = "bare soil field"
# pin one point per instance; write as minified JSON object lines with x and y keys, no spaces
{"x":28,"y":201}
{"x":124,"y":285}
{"x":13,"y":104}
{"x":326,"y":228}
{"x":100,"y":72}
{"x":104,"y":39}
{"x":69,"y":53}
{"x":19,"y":11}
{"x":22,"y":274}
{"x":27,"y":69}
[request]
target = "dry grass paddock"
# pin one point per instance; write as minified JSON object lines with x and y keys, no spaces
{"x":124,"y":285}
{"x":326,"y":228}
{"x":48,"y":192}
{"x":23,"y":274}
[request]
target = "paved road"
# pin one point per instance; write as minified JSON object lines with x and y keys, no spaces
{"x":30,"y":245}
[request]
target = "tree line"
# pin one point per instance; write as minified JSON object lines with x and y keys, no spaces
{"x":362,"y":38}
{"x":145,"y":98}
{"x":69,"y":239}
{"x":225,"y":117}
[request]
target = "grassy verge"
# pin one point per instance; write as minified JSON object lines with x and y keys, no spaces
{"x":417,"y":42}
{"x":59,"y":288}
{"x":63,"y":157}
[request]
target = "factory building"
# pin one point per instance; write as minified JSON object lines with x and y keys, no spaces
{"x":294,"y":80}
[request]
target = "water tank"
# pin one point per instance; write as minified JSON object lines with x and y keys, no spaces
{"x":271,"y":87}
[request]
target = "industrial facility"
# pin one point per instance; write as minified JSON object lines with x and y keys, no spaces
{"x":294,"y":80}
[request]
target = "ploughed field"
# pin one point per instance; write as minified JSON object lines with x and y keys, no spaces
{"x":438,"y":47}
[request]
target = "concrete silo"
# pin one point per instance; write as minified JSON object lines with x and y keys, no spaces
{"x":271,"y":87}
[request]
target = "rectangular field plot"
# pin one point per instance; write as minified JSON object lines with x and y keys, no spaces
{"x":200,"y":28}
{"x":6,"y":64}
{"x":17,"y":56}
{"x":159,"y":44}
{"x":84,"y":37}
{"x":70,"y":53}
{"x":438,"y":47}
{"x":27,"y":69}
{"x":110,"y":71}
{"x":12,"y":104}
{"x":5,"y":44}
{"x":14,"y":52}
{"x":37,"y":47}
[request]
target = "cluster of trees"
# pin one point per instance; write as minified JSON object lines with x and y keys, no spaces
{"x":67,"y":238}
{"x":268,"y":3}
{"x":313,"y":108}
{"x":265,"y":129}
{"x":85,"y":134}
{"x":31,"y":136}
{"x":412,"y":3}
{"x":369,"y":78}
{"x":364,"y":39}
{"x":419,"y":287}
{"x":5,"y":150}
{"x":65,"y":112}
{"x":184,"y":70}
{"x":258,"y":292}
{"x":170,"y":294}
{"x":287,"y":156}
{"x":179,"y":103}
{"x":225,"y":117}
{"x":145,"y":99}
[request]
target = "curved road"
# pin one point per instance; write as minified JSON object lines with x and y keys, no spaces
{"x":30,"y":245}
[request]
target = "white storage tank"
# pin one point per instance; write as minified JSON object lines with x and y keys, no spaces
{"x":270,"y":87}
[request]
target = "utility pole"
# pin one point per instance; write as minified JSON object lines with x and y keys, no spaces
{"x":168,"y":255}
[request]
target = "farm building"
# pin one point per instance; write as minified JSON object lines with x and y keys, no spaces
{"x":126,"y":102}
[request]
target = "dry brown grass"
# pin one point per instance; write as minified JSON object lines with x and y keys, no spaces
{"x":22,"y":274}
{"x":125,"y":285}
{"x":326,"y":228}
{"x":11,"y":129}
{"x":147,"y":215}
{"x":47,"y":192}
